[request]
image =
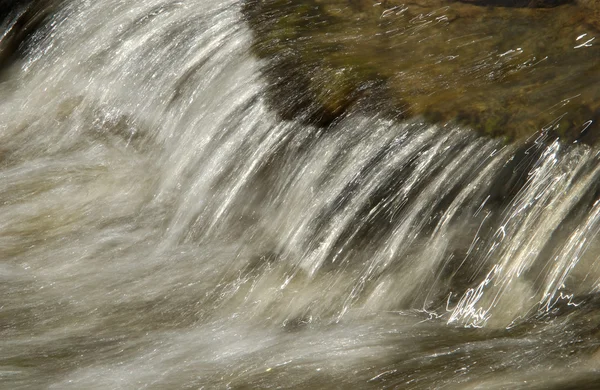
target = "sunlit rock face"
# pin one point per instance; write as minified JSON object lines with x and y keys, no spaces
{"x":507,"y":69}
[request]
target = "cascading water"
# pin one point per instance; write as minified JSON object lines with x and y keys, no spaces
{"x":160,"y":227}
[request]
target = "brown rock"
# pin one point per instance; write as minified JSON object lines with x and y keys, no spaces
{"x":506,"y":72}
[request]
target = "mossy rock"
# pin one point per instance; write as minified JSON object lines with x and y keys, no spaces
{"x":504,"y":71}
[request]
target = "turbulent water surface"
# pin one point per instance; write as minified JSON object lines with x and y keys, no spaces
{"x":162,"y":228}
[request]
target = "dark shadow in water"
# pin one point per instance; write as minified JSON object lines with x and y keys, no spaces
{"x":23,"y":18}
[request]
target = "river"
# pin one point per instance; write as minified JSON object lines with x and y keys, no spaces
{"x":162,"y":227}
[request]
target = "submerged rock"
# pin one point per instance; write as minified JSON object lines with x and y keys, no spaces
{"x":505,"y":71}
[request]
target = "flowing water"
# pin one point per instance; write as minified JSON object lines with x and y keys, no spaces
{"x":162,"y":228}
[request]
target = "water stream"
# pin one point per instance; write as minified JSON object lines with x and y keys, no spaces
{"x":161,"y":227}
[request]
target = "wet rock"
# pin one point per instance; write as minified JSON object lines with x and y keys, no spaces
{"x":592,"y":9}
{"x":518,"y":3}
{"x":504,"y":71}
{"x":307,"y":80}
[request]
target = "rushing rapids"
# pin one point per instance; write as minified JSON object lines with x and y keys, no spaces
{"x":161,"y":227}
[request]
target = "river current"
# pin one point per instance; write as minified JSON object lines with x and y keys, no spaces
{"x":162,"y":228}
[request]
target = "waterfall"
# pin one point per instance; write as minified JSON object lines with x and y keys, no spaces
{"x":162,"y":227}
